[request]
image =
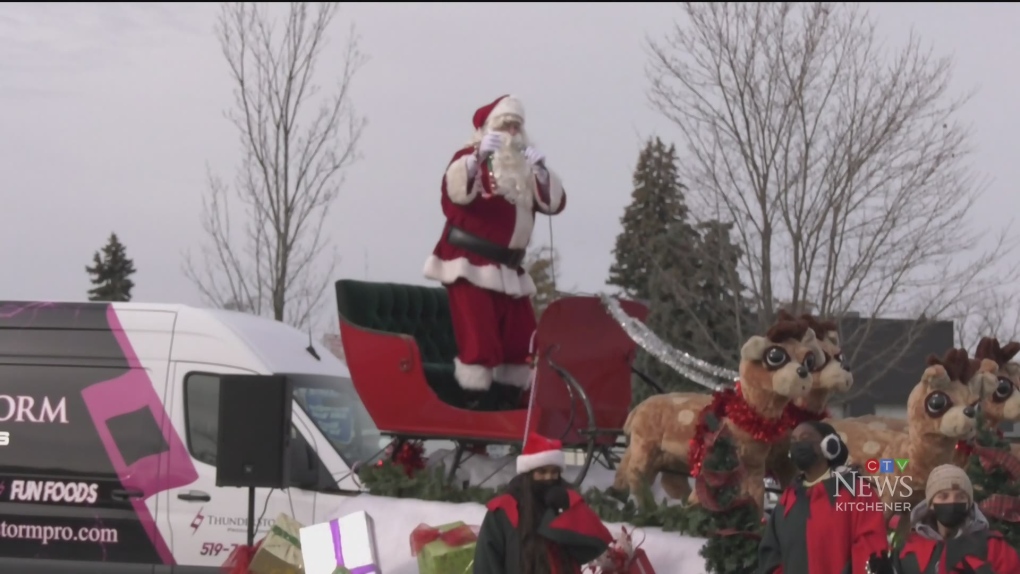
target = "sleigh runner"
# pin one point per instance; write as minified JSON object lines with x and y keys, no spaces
{"x":400,"y":349}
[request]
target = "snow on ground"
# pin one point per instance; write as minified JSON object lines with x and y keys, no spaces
{"x":395,"y":518}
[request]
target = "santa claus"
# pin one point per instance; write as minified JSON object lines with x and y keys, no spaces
{"x":492,"y":189}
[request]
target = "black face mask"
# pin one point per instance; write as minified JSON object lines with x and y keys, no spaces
{"x":540,"y":487}
{"x":804,"y":455}
{"x":951,"y":514}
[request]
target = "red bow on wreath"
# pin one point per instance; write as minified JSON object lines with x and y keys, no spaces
{"x":409,"y":455}
{"x":997,"y":506}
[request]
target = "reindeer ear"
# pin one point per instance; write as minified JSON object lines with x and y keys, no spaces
{"x":936,"y":377}
{"x":754,"y":348}
{"x":1013,"y":370}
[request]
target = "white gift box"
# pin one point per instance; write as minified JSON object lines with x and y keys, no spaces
{"x":348,"y":541}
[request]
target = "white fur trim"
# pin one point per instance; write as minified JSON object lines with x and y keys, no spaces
{"x":530,"y":462}
{"x":507,"y":106}
{"x":515,"y":375}
{"x":459,"y":186}
{"x":524,"y":225}
{"x":472,"y":377}
{"x":497,"y":278}
{"x":556,"y":194}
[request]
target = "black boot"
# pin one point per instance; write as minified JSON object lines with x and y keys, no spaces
{"x":481,"y":400}
{"x":507,"y":397}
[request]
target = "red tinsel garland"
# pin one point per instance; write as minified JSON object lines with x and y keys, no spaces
{"x":409,"y":455}
{"x":731,"y":404}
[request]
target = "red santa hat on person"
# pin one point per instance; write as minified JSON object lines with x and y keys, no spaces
{"x":538,"y":452}
{"x":502,"y":107}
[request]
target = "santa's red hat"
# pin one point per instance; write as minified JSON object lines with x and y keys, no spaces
{"x":502,"y":106}
{"x":539,"y":451}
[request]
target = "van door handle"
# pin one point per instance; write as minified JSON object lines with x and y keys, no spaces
{"x":194,"y":496}
{"x":122,"y":495}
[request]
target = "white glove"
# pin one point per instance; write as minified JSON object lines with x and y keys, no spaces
{"x":490,"y":143}
{"x":534,"y":156}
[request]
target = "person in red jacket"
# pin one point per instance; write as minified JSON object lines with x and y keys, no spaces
{"x":819,"y":525}
{"x":539,"y":526}
{"x":950,"y":534}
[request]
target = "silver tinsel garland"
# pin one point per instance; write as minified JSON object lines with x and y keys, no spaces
{"x":689,"y":366}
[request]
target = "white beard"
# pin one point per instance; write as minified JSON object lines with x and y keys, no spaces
{"x":515,"y":180}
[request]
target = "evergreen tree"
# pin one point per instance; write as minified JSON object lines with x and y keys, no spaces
{"x":111,"y":272}
{"x":696,"y":302}
{"x":999,"y":481}
{"x":656,"y":205}
{"x":542,"y":264}
{"x":722,"y":308}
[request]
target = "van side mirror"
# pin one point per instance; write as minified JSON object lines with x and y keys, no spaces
{"x":304,"y":473}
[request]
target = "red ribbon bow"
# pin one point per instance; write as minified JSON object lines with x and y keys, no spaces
{"x":1001,"y":507}
{"x":617,"y":560}
{"x":454,"y":537}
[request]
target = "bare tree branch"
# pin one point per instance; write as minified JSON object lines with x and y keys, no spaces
{"x":297,"y":144}
{"x":839,"y":161}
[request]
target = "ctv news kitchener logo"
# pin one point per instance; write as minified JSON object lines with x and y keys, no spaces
{"x":885,"y":481}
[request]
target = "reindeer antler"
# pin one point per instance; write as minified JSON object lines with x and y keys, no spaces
{"x":819,"y":326}
{"x":787,"y":327}
{"x":784,"y":315}
{"x":957,"y":364}
{"x":990,"y":348}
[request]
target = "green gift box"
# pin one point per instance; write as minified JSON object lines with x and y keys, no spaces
{"x":446,"y":549}
{"x":280,"y":551}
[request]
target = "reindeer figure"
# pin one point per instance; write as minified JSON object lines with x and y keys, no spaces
{"x":1000,"y":399}
{"x":774,"y":369}
{"x":941,"y":411}
{"x":829,"y":376}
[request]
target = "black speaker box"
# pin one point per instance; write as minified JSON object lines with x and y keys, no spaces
{"x":254,"y":431}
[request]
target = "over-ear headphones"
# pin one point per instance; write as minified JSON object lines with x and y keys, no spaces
{"x":832,"y":445}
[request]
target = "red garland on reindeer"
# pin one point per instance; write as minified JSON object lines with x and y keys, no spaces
{"x":730,"y":404}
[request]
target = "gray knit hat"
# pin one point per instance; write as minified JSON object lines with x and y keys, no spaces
{"x":947,"y":477}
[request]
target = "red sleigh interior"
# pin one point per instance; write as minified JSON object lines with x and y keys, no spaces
{"x":575,"y":332}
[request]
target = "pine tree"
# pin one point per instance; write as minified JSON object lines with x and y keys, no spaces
{"x":542,"y":265}
{"x":722,"y":306}
{"x":696,"y":302}
{"x":656,"y":205}
{"x":111,"y":272}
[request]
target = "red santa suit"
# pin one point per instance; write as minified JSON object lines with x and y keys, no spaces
{"x":479,"y":255}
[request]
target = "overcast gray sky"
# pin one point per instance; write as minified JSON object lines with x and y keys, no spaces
{"x":111,"y":113}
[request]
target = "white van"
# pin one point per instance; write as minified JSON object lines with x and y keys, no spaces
{"x":108,"y":423}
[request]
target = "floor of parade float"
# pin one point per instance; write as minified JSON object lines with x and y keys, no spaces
{"x":395,"y":518}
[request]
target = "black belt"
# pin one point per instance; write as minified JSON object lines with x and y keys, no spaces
{"x":512,"y":258}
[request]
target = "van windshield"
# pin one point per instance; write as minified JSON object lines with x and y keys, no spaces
{"x":335,"y":407}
